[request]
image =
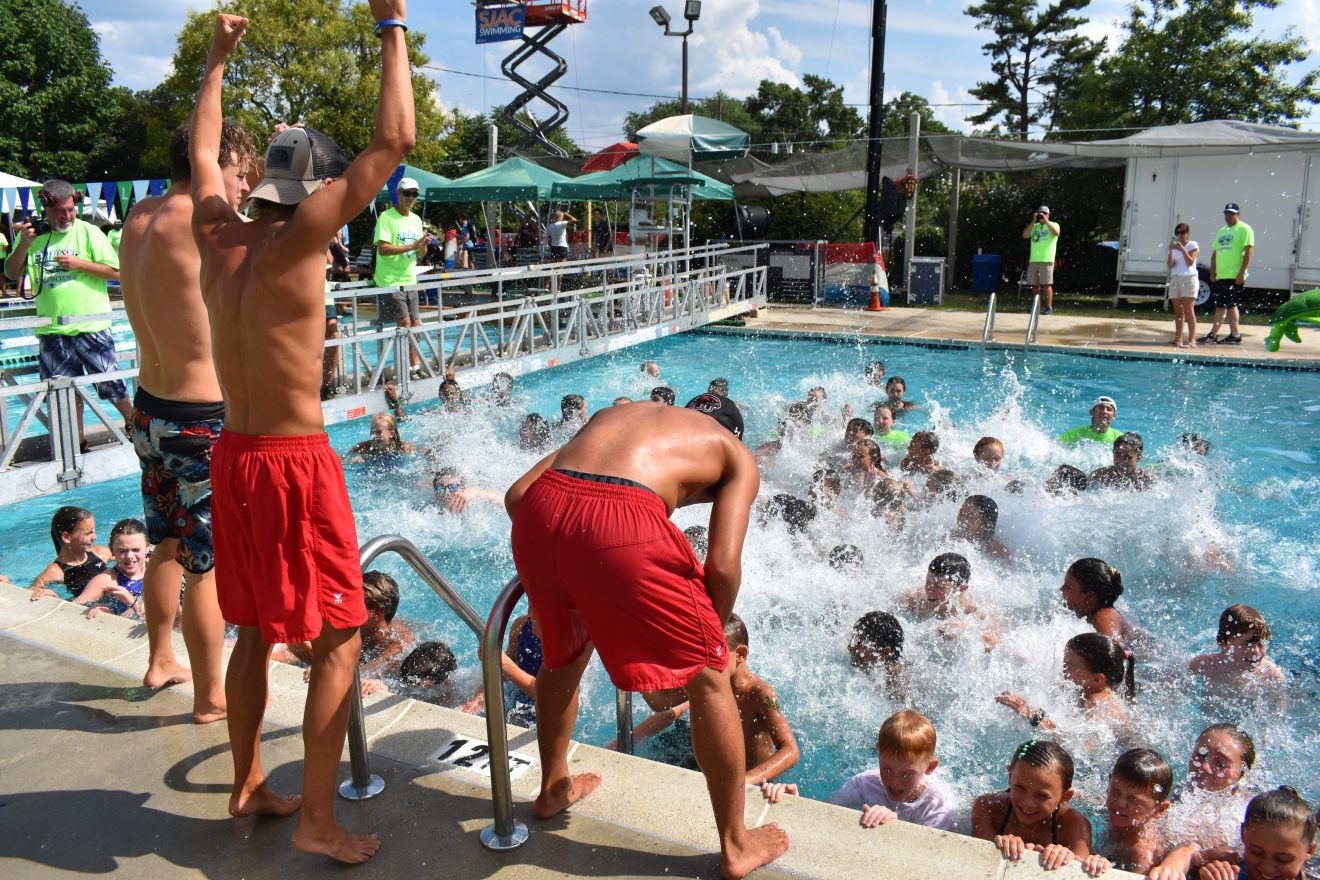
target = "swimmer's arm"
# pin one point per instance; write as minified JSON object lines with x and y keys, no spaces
{"x":983,"y":820}
{"x":786,"y":748}
{"x":1075,"y":833}
{"x":513,"y":497}
{"x":51,"y":574}
{"x":208,"y":187}
{"x":728,"y":528}
{"x":1176,"y":865}
{"x":95,"y":589}
{"x":655,"y":723}
{"x":522,"y":680}
{"x":1109,"y":622}
{"x":330,"y":208}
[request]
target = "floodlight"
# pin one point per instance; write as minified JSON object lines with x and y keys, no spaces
{"x":660,"y":15}
{"x":692,"y":10}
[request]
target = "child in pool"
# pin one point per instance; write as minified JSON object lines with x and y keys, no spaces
{"x":1209,"y":807}
{"x":921,"y":454}
{"x":977,"y":519}
{"x":1278,"y":839}
{"x":1095,"y":664}
{"x":78,"y":558}
{"x":896,"y":388}
{"x":1139,"y":787}
{"x":866,"y":464}
{"x":1067,"y":481}
{"x":1090,"y":588}
{"x":1033,"y":814}
{"x":877,"y":646}
{"x":119,"y":590}
{"x":770,"y":745}
{"x":948,"y":578}
{"x":903,"y":787}
{"x":1241,"y":662}
{"x":988,"y":453}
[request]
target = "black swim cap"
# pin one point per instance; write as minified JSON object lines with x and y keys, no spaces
{"x":721,"y":409}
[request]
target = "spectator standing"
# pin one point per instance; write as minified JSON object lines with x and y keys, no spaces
{"x":1183,"y":284}
{"x":467,"y":240}
{"x":557,"y":232}
{"x":1043,"y":233}
{"x":400,"y":238}
{"x":1234,"y":245}
{"x":67,"y":269}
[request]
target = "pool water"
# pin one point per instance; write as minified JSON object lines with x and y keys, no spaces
{"x":1255,"y":499}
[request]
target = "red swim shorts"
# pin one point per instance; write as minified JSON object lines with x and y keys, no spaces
{"x":603,"y":563}
{"x":286,"y":551}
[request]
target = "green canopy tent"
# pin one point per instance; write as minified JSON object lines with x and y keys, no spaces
{"x":637,"y":173}
{"x":513,"y":180}
{"x":425,"y":180}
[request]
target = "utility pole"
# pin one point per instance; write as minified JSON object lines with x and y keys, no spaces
{"x":910,"y":221}
{"x":871,"y":218}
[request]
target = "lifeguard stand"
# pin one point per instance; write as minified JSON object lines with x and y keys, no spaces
{"x":552,"y":17}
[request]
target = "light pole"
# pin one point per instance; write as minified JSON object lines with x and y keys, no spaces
{"x":691,"y":12}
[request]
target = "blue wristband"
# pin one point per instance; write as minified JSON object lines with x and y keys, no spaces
{"x":390,"y":22}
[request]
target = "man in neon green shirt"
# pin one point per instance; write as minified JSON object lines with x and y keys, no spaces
{"x":1043,"y":233}
{"x":1234,"y":245}
{"x":67,"y":270}
{"x":399,"y":239}
{"x":1101,"y":429}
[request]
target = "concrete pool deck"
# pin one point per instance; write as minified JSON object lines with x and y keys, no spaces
{"x":1115,"y":337}
{"x":102,"y":775}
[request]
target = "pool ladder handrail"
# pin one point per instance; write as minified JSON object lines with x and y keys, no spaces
{"x":1033,"y":322}
{"x":504,"y":833}
{"x":988,"y":331}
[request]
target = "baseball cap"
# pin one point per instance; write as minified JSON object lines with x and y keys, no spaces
{"x":1104,"y":398}
{"x":1231,"y":208}
{"x":297,"y":160}
{"x":407,"y":184}
{"x":721,"y":409}
{"x":1043,"y":209}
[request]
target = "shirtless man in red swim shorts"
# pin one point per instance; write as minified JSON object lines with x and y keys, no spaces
{"x":604,"y":567}
{"x":285,"y":546}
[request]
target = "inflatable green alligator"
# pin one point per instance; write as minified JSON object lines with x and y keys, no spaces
{"x":1304,"y":308}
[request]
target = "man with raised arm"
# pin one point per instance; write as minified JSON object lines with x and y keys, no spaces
{"x":605,"y":568}
{"x":286,"y":549}
{"x":177,"y":414}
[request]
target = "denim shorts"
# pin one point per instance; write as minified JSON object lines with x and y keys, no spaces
{"x":84,"y":354}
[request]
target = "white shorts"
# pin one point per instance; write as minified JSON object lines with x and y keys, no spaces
{"x":1184,"y":286}
{"x":1040,"y":273}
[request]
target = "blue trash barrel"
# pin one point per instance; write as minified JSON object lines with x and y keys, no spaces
{"x":986,"y":269}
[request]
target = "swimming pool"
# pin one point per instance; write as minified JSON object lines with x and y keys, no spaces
{"x":1257,"y":497}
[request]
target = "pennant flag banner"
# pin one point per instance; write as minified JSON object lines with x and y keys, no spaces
{"x":157,"y":187}
{"x":125,"y":189}
{"x":23,"y":195}
{"x":4,"y":201}
{"x":139,"y":190}
{"x":94,"y":196}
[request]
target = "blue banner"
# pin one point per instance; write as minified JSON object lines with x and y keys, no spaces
{"x":498,"y":23}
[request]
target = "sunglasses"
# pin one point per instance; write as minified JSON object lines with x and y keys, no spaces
{"x":447,"y":487}
{"x":407,"y":195}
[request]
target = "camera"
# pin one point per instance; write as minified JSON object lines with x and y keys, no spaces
{"x":42,"y":227}
{"x":1039,"y":216}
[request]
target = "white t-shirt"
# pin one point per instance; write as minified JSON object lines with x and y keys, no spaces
{"x":558,"y":233}
{"x":1180,"y":264}
{"x":934,"y":808}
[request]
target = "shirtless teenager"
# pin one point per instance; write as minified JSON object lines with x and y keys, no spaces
{"x":285,"y":542}
{"x":177,"y":414}
{"x":599,"y":508}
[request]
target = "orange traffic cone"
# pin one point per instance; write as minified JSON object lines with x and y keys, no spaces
{"x":874,"y":305}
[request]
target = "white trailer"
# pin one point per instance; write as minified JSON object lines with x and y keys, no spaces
{"x":1275,"y":190}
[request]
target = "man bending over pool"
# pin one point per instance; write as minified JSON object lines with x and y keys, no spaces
{"x":286,"y":550}
{"x":596,"y":512}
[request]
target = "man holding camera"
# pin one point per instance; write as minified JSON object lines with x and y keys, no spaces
{"x":68,"y":262}
{"x":1043,"y":233}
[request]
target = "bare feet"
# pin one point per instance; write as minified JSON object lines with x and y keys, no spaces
{"x":161,"y":675}
{"x":209,"y":714}
{"x":760,"y":847}
{"x":337,"y":843}
{"x":263,"y":802}
{"x":562,"y":795}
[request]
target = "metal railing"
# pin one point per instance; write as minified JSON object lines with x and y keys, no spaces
{"x":988,"y":331}
{"x":505,"y":832}
{"x":1033,"y":322}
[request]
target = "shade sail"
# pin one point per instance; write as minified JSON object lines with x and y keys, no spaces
{"x":513,"y":180}
{"x":693,"y":138}
{"x":638,"y":173}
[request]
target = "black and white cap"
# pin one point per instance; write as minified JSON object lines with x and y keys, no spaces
{"x":721,"y":409}
{"x":1231,"y":208}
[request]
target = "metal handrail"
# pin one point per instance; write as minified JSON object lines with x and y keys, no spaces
{"x":1033,"y":321}
{"x":988,"y":331}
{"x":505,"y":833}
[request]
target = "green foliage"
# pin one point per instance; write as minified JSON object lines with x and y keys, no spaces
{"x":312,"y":61}
{"x":813,"y":118}
{"x":54,"y":88}
{"x":466,"y":146}
{"x":1191,"y":61}
{"x":898,"y":110}
{"x":1037,"y":58}
{"x":137,"y":144}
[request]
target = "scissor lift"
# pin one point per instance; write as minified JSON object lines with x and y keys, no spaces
{"x":552,"y":17}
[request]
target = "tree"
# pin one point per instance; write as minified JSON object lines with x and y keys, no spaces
{"x":813,"y":118}
{"x":312,"y":61}
{"x":1186,"y":62}
{"x":137,"y":144}
{"x":900,"y":108}
{"x":1036,"y":56}
{"x":54,"y":90}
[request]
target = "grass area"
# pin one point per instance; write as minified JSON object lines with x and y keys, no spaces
{"x":1087,"y":305}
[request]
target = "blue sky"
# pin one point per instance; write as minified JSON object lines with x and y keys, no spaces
{"x":932,"y":49}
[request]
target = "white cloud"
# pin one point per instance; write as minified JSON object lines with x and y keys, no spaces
{"x":953,"y":116}
{"x":727,"y":53}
